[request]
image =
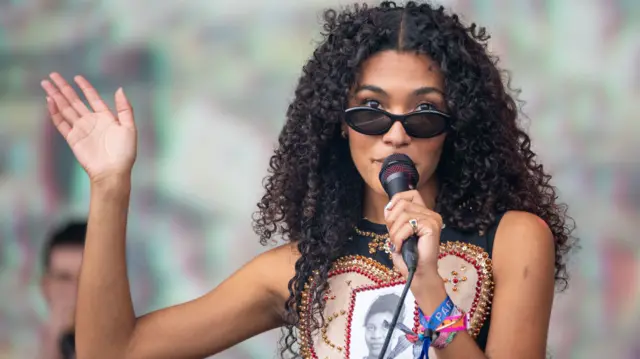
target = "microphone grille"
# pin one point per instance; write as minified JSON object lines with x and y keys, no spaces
{"x":399,"y":163}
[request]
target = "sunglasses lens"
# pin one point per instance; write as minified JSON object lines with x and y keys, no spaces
{"x":369,"y":122}
{"x":425,"y":125}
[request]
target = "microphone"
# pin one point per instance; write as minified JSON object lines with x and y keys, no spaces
{"x":399,"y":174}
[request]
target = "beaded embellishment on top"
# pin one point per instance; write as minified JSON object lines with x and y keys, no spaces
{"x":378,"y":243}
{"x":353,"y":277}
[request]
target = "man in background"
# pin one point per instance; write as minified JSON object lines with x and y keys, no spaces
{"x":62,"y":258}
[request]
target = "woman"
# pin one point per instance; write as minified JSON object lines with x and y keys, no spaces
{"x":504,"y":242}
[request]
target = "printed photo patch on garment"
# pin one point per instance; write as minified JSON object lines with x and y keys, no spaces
{"x":372,"y":308}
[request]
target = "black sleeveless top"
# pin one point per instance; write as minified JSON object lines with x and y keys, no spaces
{"x":362,"y":281}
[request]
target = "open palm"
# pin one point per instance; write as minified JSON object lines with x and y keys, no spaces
{"x":103,"y":143}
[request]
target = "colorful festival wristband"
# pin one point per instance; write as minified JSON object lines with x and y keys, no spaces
{"x":438,"y":317}
{"x":449,"y":321}
{"x":443,"y":340}
{"x":446,"y":332}
{"x":457,"y":324}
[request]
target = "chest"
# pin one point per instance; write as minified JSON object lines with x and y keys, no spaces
{"x":363,"y":294}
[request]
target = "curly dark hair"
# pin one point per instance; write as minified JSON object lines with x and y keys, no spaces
{"x":314,"y":192}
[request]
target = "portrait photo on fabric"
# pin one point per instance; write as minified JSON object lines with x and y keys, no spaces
{"x":372,"y":316}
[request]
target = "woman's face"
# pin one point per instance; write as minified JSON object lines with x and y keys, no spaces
{"x":399,"y":83}
{"x":376,"y":331}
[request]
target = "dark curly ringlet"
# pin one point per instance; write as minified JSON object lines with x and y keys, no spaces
{"x":314,"y":192}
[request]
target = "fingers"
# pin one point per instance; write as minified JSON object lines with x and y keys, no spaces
{"x":409,"y":201}
{"x":402,"y":229}
{"x":69,"y":93}
{"x":410,"y":196}
{"x":407,"y":206}
{"x":94,"y":99}
{"x":63,"y":126}
{"x":123,"y":107}
{"x":394,"y":209}
{"x":64,"y":107}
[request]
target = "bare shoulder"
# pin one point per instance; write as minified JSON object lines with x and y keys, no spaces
{"x":523,"y":221}
{"x":279,"y":263}
{"x":523,"y":234}
{"x":285,"y":254}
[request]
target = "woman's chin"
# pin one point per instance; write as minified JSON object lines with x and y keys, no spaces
{"x":376,"y":187}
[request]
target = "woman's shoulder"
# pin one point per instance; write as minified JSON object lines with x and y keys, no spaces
{"x":525,"y":240}
{"x":283,"y":254}
{"x":277,"y":266}
{"x":525,"y":226}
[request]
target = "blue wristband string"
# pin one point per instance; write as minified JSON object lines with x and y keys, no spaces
{"x":437,"y":318}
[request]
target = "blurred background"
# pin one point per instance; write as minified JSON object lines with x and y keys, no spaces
{"x":210,"y":82}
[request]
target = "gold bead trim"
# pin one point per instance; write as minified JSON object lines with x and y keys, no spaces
{"x":325,"y":328}
{"x":378,"y":243}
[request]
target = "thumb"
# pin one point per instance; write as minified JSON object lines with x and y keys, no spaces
{"x":124,"y":109}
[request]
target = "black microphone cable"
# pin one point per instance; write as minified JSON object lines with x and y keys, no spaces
{"x":394,"y":321}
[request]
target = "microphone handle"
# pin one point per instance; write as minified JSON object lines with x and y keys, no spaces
{"x":410,"y":252}
{"x":397,"y":183}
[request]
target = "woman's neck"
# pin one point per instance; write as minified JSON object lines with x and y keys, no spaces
{"x":374,"y":202}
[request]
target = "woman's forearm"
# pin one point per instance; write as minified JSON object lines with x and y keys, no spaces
{"x":104,"y":316}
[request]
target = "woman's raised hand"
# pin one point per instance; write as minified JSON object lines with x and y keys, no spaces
{"x":104,"y":143}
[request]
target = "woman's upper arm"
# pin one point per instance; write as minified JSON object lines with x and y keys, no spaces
{"x":247,"y":303}
{"x":523,"y":258}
